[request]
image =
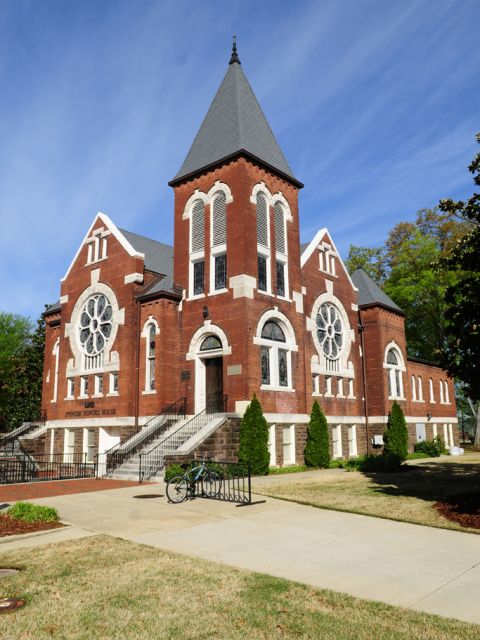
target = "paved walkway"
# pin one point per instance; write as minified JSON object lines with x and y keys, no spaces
{"x":30,"y":490}
{"x":432,"y":570}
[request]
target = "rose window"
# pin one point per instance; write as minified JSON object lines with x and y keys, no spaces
{"x":95,"y":325}
{"x":330,"y":331}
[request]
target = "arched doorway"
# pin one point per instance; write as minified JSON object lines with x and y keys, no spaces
{"x":208,"y":347}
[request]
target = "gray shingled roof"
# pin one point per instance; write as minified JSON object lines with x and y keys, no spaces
{"x":234,"y":122}
{"x":53,"y":308}
{"x":160,"y":285}
{"x":158,"y":256}
{"x":369,"y":293}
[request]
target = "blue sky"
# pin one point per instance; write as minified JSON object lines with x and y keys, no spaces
{"x":375,"y":104}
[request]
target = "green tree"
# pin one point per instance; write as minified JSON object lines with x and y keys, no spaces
{"x":253,"y":449}
{"x":370,"y":259}
{"x":317,"y":452}
{"x":15,"y":333}
{"x":461,"y":355}
{"x":21,"y":392}
{"x":395,"y":437}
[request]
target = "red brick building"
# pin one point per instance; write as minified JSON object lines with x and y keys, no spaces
{"x":236,"y":307}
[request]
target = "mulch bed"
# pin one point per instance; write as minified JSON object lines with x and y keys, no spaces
{"x":464,"y":510}
{"x":12,"y":527}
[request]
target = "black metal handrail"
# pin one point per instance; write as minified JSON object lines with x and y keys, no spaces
{"x":119,"y":453}
{"x":11,"y":437}
{"x":53,"y":466}
{"x":151,"y":461}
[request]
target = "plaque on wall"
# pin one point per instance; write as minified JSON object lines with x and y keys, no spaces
{"x":185,"y":375}
{"x":234,"y":370}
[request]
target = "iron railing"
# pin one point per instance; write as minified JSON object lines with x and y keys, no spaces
{"x":9,"y":442}
{"x":54,"y":466}
{"x":119,"y":453}
{"x":231,"y":482}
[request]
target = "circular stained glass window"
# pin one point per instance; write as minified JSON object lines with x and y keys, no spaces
{"x":95,"y":324}
{"x":330,"y":332}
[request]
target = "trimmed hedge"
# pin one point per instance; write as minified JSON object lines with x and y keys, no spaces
{"x":317,"y":451}
{"x":433,"y":448}
{"x":253,"y":449}
{"x":395,"y":437}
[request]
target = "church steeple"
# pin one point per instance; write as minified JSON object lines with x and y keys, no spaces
{"x":234,"y":57}
{"x":234,"y":126}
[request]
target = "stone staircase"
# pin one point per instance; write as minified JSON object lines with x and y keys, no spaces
{"x":129,"y":470}
{"x":148,"y":462}
{"x":10,"y":444}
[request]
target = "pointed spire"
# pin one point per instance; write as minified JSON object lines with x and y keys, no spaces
{"x":234,"y":57}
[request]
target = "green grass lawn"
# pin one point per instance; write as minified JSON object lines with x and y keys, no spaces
{"x":407,"y":496}
{"x":103,"y":588}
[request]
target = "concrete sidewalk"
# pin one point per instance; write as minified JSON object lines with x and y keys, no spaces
{"x":432,"y":570}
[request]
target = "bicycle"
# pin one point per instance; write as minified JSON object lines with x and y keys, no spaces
{"x":181,"y":487}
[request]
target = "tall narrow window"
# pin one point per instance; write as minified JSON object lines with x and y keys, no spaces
{"x":84,"y":386}
{"x":440,"y":386}
{"x":56,"y":355}
{"x":446,"y":397}
{"x":275,"y":356}
{"x":197,"y":248}
{"x":280,"y":250}
{"x":198,"y":277}
{"x":113,"y":388}
{"x":262,"y":273}
{"x":430,"y":384}
{"x":352,"y":441}
{"x":218,"y":252}
{"x":414,"y":389}
{"x":394,"y":374}
{"x":70,"y":387}
{"x":263,"y":243}
{"x":220,"y":272}
{"x":420,"y":389}
{"x":151,"y":347}
{"x":280,"y":278}
{"x":337,"y":441}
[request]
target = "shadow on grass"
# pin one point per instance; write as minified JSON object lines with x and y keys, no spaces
{"x":435,"y":481}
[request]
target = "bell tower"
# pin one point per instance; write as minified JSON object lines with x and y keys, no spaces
{"x":237,"y":251}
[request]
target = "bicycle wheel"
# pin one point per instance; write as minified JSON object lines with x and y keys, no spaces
{"x":211,"y":484}
{"x":177,"y":489}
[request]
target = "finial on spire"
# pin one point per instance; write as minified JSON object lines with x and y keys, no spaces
{"x":234,"y":57}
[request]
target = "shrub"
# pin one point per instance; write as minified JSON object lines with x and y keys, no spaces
{"x":317,"y":452}
{"x":433,"y":448}
{"x":395,"y":437}
{"x":32,"y":512}
{"x":174,"y":470}
{"x":253,"y":449}
{"x":384,"y":463}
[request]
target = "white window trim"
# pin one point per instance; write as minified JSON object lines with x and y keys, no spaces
{"x":151,"y":321}
{"x":352,"y":441}
{"x":414,"y":388}
{"x":56,"y":354}
{"x":111,"y":391}
{"x":289,"y":346}
{"x":85,"y":444}
{"x":272,"y":447}
{"x":337,"y":429}
{"x":70,"y":389}
{"x":83,"y":383}
{"x":420,"y":389}
{"x":96,"y":386}
{"x":432,"y":396}
{"x":66,"y":446}
{"x":392,"y":368}
{"x":291,"y":434}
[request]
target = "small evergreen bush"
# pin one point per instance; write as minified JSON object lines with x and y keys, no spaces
{"x":384,"y":463}
{"x":253,"y":449}
{"x":395,"y":438}
{"x":433,"y":448}
{"x":29,"y":512}
{"x":317,"y":452}
{"x":174,"y":470}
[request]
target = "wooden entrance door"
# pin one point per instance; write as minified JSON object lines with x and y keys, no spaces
{"x":214,"y":384}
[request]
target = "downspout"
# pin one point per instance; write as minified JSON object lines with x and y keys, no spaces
{"x":137,"y":365}
{"x":361,"y":329}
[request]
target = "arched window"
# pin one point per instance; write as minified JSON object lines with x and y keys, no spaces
{"x":440,"y":384}
{"x":263,"y":243}
{"x":430,"y":384}
{"x":281,"y":270}
{"x":150,"y":364}
{"x":420,"y":389}
{"x":210,"y":343}
{"x":414,"y":389}
{"x":394,"y":367}
{"x":197,"y":249}
{"x":275,"y":356}
{"x":445,"y":395}
{"x":56,"y":355}
{"x":218,"y":254}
